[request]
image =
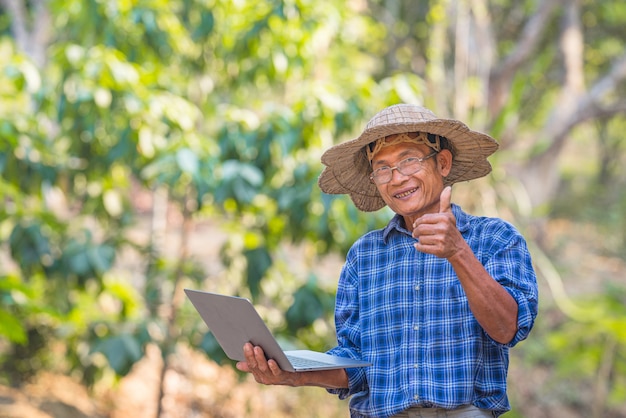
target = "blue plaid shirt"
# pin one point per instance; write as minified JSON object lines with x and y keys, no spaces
{"x":407,"y":313}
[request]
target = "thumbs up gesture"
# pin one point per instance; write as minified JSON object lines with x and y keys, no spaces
{"x":436,"y":233}
{"x":444,"y":200}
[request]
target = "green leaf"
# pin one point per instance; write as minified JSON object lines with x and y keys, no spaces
{"x":309,"y":304}
{"x":239,"y":180}
{"x":11,"y":328}
{"x":258,"y":262}
{"x":121,"y":351}
{"x":204,"y":29}
{"x":210,"y":346}
{"x":101,"y":258}
{"x":28,"y":245}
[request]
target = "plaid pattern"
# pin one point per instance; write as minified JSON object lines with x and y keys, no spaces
{"x":406,"y":312}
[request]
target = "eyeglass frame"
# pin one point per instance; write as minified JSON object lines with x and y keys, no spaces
{"x":420,"y":160}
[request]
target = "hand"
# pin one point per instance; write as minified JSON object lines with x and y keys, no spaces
{"x":264,"y":371}
{"x":437,"y":233}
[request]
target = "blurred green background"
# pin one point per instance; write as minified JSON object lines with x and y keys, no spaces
{"x":151,"y":145}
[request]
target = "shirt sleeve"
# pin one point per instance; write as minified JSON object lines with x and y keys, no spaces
{"x":348,"y":329}
{"x":511,"y":265}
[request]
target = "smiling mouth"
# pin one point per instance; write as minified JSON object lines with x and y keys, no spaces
{"x":405,"y":194}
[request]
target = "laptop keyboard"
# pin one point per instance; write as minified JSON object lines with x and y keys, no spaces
{"x":304,"y":362}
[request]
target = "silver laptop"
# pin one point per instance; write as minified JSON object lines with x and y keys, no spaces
{"x":234,"y":321}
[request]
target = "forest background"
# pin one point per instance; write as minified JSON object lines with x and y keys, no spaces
{"x":151,"y":145}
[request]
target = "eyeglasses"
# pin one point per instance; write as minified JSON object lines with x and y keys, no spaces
{"x":406,"y":167}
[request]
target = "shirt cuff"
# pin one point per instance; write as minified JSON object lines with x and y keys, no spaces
{"x":526,"y":314}
{"x":356,"y":383}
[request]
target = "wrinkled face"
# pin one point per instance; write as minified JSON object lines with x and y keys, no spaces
{"x":414,"y":195}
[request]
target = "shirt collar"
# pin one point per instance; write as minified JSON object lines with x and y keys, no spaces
{"x":396,"y":223}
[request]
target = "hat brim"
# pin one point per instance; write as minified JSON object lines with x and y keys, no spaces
{"x":347,"y":167}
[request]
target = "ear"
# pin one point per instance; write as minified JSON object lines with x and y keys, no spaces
{"x":444,"y":162}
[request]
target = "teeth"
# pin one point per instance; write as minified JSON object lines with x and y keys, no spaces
{"x":401,"y":195}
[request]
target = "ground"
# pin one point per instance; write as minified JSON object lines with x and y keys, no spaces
{"x":195,"y":387}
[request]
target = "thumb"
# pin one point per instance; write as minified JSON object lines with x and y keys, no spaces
{"x":444,"y":200}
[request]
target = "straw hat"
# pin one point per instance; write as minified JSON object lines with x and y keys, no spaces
{"x":348,"y":168}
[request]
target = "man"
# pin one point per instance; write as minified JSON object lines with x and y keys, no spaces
{"x":434,"y":300}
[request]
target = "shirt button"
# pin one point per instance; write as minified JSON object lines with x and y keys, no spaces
{"x":415,"y":366}
{"x":416,"y":397}
{"x":417,"y":287}
{"x":416,"y":327}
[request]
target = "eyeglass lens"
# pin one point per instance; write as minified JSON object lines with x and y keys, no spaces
{"x":406,"y":167}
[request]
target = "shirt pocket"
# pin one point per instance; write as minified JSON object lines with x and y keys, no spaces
{"x":459,"y":319}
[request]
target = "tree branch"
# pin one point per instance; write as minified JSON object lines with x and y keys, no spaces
{"x":531,"y":34}
{"x":502,"y":75}
{"x":539,"y":174}
{"x":609,"y":82}
{"x":572,"y":45}
{"x":573,"y":106}
{"x":590,"y":106}
{"x":568,"y":104}
{"x":598,"y":111}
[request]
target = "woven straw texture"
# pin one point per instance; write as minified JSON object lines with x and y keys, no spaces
{"x":347,"y":167}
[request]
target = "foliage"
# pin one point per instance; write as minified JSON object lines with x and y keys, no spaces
{"x":158,"y":96}
{"x":585,"y":356}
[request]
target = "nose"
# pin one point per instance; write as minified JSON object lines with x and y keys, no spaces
{"x":395,"y":170}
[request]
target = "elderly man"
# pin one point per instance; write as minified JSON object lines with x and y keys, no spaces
{"x":435,"y":299}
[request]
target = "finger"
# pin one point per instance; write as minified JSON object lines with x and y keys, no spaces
{"x":248,"y":352}
{"x":424,"y":224}
{"x":444,"y":200}
{"x":274,"y":367}
{"x":252,"y":361}
{"x":259,"y":357}
{"x":242,"y":366}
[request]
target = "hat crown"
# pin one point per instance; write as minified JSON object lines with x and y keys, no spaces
{"x":400,"y":114}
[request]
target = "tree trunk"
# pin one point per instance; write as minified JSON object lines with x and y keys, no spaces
{"x":502,"y":76}
{"x":31,"y":35}
{"x":178,"y":296}
{"x":541,"y":174}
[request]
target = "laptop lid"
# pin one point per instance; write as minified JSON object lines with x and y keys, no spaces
{"x":234,"y":321}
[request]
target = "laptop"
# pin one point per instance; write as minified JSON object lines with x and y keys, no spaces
{"x":234,"y":321}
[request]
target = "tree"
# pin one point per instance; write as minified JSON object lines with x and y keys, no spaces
{"x":157,"y":97}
